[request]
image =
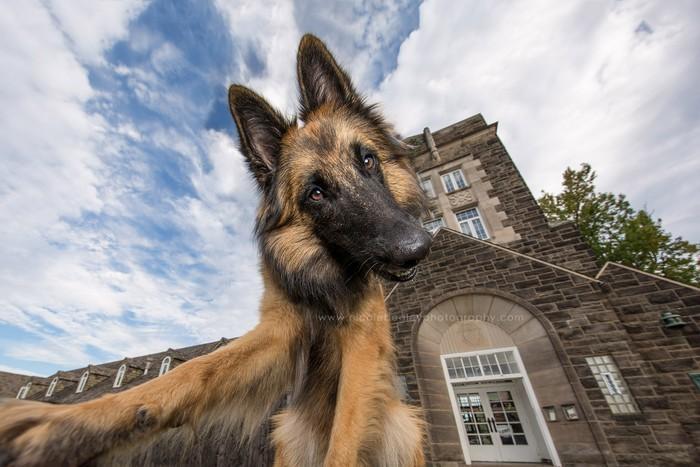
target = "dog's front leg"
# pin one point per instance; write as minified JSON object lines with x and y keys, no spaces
{"x":245,"y":377}
{"x":365,"y":345}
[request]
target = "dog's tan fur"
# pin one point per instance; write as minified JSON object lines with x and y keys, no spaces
{"x":346,"y":413}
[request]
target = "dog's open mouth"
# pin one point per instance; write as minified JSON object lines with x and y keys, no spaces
{"x":398,"y":274}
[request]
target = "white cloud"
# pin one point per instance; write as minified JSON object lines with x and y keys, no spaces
{"x":22,"y":371}
{"x":92,"y":26}
{"x":268,"y":26}
{"x":83,"y":288}
{"x":569,"y":82}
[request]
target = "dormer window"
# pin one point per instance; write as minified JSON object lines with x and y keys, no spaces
{"x":120,"y":376}
{"x":453,"y":181}
{"x":24,"y":391}
{"x":164,"y":366}
{"x":52,"y":387}
{"x":82,"y":382}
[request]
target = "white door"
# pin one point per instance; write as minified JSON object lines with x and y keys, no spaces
{"x":496,"y":424}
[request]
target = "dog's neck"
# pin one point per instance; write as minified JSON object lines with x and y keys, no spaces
{"x":320,"y":314}
{"x":334,"y":298}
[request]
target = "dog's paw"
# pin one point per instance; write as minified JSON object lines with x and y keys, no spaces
{"x":39,"y":434}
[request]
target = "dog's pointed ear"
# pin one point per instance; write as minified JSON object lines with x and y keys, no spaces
{"x":260,"y":131}
{"x":321,"y":79}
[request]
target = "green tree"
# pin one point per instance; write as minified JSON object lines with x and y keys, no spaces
{"x":616,"y":232}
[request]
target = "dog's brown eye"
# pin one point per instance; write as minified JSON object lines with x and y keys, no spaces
{"x":370,"y":161}
{"x":316,"y":194}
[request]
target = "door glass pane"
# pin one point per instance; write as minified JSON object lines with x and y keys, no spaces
{"x":505,"y":414}
{"x":474,"y":419}
{"x":513,"y":417}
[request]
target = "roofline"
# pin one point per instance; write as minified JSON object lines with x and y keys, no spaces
{"x":435,"y":133}
{"x":650,"y":274}
{"x":508,"y":250}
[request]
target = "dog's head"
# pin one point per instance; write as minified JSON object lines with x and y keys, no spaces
{"x":339,"y":199}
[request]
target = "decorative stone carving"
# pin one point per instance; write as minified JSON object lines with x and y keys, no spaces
{"x":460,"y":198}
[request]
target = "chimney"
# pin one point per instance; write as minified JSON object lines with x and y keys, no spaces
{"x":430,"y":142}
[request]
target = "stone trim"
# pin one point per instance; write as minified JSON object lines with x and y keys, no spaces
{"x":630,"y":268}
{"x":517,"y":253}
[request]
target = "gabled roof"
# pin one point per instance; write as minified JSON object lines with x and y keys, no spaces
{"x":630,"y":268}
{"x":448,"y":231}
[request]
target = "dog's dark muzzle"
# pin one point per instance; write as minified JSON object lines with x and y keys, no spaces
{"x":407,"y":249}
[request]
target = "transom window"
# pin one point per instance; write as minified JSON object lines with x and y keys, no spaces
{"x":486,"y":364}
{"x":471,"y":224}
{"x":433,"y":225}
{"x":427,"y":187}
{"x":612,"y":385}
{"x":453,"y":181}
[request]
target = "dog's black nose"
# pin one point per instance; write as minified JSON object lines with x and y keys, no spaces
{"x":412,"y":247}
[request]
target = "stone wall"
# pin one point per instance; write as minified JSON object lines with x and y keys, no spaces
{"x":655,"y":362}
{"x":616,"y":315}
{"x":516,"y":207}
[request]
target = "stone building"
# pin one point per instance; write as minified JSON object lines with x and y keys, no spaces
{"x":514,"y":342}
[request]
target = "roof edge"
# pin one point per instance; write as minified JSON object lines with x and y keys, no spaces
{"x":508,"y":250}
{"x":650,"y":274}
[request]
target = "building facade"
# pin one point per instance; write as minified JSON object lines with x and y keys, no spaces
{"x":518,"y":347}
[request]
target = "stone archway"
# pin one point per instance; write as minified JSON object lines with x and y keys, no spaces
{"x":482,"y":320}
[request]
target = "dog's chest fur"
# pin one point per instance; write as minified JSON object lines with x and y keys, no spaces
{"x":304,"y":428}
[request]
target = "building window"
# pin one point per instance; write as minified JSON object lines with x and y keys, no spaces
{"x":570,"y":411}
{"x":120,"y":376}
{"x":433,"y":225}
{"x":52,"y":387}
{"x":82,"y":382}
{"x":550,"y":413}
{"x":486,"y":364}
{"x":470,"y":223}
{"x":24,"y":391}
{"x":612,"y":385}
{"x":453,"y":181}
{"x":427,"y":187}
{"x":164,"y":366}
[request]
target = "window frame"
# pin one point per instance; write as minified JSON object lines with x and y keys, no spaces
{"x":453,"y":180}
{"x":429,"y":181}
{"x":165,"y":365}
{"x":476,"y":356}
{"x":469,"y":223}
{"x":82,"y":382}
{"x":119,"y":379}
{"x":24,"y":391}
{"x":612,"y":385}
{"x":440,"y":219}
{"x":52,"y":387}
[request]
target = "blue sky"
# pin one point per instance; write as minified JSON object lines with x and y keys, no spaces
{"x":126,"y":212}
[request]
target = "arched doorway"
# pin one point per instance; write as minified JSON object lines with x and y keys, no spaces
{"x":486,"y":366}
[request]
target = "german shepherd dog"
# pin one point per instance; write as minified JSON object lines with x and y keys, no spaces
{"x":339,"y":208}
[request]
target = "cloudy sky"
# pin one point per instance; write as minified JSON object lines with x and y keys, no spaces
{"x":125,"y":210}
